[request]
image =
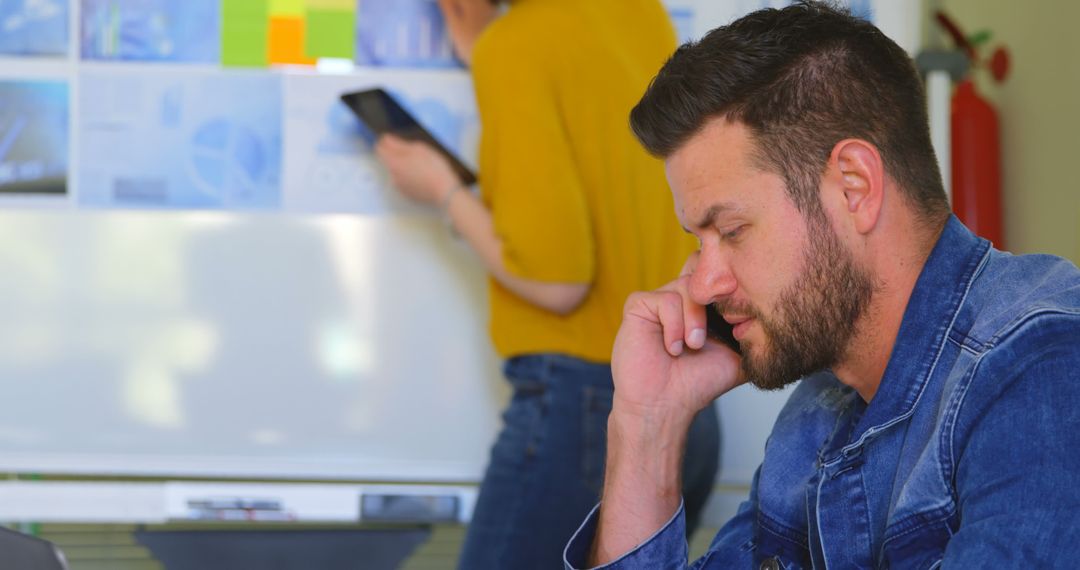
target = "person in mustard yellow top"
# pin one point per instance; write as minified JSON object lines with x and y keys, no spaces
{"x":573,"y":216}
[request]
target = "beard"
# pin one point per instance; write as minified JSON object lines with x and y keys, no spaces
{"x":815,"y":318}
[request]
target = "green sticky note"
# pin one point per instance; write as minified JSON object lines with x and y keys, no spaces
{"x":287,"y":8}
{"x":330,"y":33}
{"x":244,"y":32}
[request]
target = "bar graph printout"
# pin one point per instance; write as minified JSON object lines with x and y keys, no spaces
{"x":402,"y":33}
{"x":694,"y":18}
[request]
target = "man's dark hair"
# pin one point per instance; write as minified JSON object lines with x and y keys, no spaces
{"x":802,"y":79}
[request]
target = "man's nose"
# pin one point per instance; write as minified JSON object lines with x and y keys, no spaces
{"x":712,"y":279}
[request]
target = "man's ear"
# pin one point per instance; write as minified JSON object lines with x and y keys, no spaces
{"x":861,"y":179}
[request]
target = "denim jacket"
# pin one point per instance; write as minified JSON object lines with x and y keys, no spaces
{"x":968,"y":456}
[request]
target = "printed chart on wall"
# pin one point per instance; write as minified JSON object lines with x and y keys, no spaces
{"x":402,"y":33}
{"x":150,"y":30}
{"x":329,"y":166}
{"x":693,"y":18}
{"x":33,"y":137}
{"x":34,"y":27}
{"x":174,"y":139}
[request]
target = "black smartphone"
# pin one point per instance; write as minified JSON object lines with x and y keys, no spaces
{"x":719,"y":329}
{"x":381,"y":113}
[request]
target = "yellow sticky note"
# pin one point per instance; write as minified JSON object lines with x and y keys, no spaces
{"x":335,"y":5}
{"x":287,"y":8}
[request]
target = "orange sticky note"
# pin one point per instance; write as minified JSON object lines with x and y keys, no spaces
{"x":286,"y":45}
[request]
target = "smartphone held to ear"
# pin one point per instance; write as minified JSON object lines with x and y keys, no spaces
{"x":719,"y":329}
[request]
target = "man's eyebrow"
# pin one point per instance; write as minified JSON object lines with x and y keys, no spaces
{"x":711,"y":215}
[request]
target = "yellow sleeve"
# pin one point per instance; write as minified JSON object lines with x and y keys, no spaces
{"x":528,"y":175}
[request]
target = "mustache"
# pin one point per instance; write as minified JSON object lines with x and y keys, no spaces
{"x":733,"y":307}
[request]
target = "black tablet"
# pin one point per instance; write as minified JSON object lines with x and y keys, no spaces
{"x":381,"y":113}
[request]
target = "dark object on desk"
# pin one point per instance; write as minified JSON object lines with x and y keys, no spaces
{"x":23,"y":552}
{"x":383,"y":114}
{"x":284,"y":549}
{"x":409,"y":508}
{"x":719,"y":329}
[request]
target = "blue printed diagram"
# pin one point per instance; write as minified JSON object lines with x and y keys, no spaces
{"x":175,"y":141}
{"x":682,"y":17}
{"x":34,"y":27}
{"x":329,"y":166}
{"x":693,"y":18}
{"x":151,"y":30}
{"x":227,"y":158}
{"x":402,"y":33}
{"x":859,"y":8}
{"x":343,"y":127}
{"x":33,"y":137}
{"x":862,"y":8}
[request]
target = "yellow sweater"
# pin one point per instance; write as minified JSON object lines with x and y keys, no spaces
{"x":574,"y":197}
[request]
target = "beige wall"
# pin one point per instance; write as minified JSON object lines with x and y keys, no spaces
{"x":1039,"y":109}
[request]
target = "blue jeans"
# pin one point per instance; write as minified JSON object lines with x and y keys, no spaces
{"x":547,"y":464}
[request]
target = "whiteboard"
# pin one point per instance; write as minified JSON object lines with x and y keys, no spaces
{"x":259,"y":346}
{"x":242,"y":345}
{"x":340,"y":337}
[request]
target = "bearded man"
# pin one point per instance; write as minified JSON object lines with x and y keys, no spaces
{"x":937,"y":419}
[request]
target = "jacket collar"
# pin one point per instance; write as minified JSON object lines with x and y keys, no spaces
{"x":939,"y":293}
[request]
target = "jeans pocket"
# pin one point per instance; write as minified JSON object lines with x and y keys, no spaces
{"x":596,"y":406}
{"x":522,"y":434}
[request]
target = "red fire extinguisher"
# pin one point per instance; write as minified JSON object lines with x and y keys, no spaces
{"x":976,"y":164}
{"x":976,"y":146}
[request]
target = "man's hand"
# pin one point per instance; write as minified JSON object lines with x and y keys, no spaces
{"x":665,"y":370}
{"x":663,"y":363}
{"x":467,"y":19}
{"x":416,"y":169}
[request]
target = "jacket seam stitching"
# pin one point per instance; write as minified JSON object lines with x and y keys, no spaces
{"x":937,"y":356}
{"x":948,"y":434}
{"x":948,"y":472}
{"x":781,"y":530}
{"x":944,"y":516}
